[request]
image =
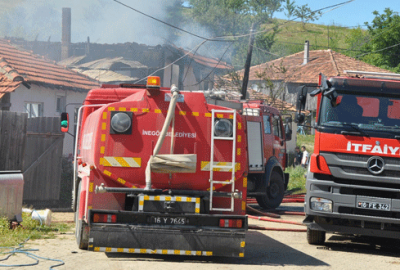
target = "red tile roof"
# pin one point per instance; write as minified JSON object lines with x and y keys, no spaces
{"x":205,"y":61}
{"x":291,"y":68}
{"x":18,"y":66}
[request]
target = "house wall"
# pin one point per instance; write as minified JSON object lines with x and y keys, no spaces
{"x":48,"y":97}
{"x":289,"y":94}
{"x":190,"y":82}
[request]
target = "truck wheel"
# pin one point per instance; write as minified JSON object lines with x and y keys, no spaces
{"x":274,"y":193}
{"x":80,"y":225}
{"x":315,"y":237}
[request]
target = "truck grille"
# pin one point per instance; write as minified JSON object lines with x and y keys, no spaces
{"x":358,"y":170}
{"x":354,"y":167}
{"x":353,"y":157}
{"x":371,"y":213}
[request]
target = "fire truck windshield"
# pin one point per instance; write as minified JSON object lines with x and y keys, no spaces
{"x":362,"y":112}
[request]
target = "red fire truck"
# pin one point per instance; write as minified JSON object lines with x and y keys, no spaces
{"x":353,"y":178}
{"x":163,"y":171}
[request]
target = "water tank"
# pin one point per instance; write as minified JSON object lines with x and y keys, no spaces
{"x":11,"y":193}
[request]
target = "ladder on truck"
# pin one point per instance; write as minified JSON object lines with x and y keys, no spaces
{"x":213,"y":166}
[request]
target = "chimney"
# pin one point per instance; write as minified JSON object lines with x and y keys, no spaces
{"x":306,"y":52}
{"x":66,"y":33}
{"x":87,"y":47}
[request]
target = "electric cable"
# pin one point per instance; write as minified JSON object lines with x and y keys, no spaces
{"x":378,"y":50}
{"x":158,"y":20}
{"x":220,"y":59}
{"x":217,"y":38}
{"x":221,"y":38}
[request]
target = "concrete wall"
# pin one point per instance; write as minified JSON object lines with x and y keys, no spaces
{"x":48,"y":97}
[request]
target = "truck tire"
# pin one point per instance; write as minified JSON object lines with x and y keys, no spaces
{"x":274,"y":193}
{"x":315,"y":237}
{"x":80,"y":225}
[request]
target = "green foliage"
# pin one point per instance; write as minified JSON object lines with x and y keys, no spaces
{"x":380,"y":42}
{"x":304,"y":13}
{"x":290,"y":8}
{"x":307,"y":141}
{"x":235,"y":17}
{"x":385,"y":32}
{"x":29,"y":228}
{"x":297,"y":180}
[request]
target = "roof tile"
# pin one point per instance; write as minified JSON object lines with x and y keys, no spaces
{"x":292,"y":69}
{"x":17,"y":65}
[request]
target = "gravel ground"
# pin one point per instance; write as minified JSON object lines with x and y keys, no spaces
{"x":264,"y":249}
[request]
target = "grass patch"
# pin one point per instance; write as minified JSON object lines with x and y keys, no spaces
{"x":297,"y":181}
{"x":29,"y":228}
{"x":307,"y":141}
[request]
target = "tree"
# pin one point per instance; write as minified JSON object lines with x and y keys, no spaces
{"x":290,"y":8}
{"x":305,"y":14}
{"x":234,"y":17}
{"x":383,"y":46}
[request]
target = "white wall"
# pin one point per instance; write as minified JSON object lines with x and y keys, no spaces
{"x":48,"y":96}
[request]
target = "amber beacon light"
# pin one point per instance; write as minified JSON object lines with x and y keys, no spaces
{"x":153,"y":82}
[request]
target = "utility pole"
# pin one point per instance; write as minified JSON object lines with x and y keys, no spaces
{"x":248,"y":62}
{"x":328,"y":36}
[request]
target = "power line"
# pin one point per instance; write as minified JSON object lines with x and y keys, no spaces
{"x":158,"y":20}
{"x":170,"y":64}
{"x":318,"y":46}
{"x":215,"y":38}
{"x":221,"y":38}
{"x":378,"y":50}
{"x":220,"y":59}
{"x":267,"y":30}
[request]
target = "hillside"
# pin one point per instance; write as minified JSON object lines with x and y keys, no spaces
{"x":292,"y":35}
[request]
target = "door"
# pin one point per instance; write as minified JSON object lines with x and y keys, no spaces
{"x":279,"y":141}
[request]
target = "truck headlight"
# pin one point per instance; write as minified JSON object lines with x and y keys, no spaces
{"x":121,"y":123}
{"x":223,"y":128}
{"x":321,"y":204}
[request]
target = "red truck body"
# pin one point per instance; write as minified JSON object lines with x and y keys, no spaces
{"x":353,"y":179}
{"x":189,"y":198}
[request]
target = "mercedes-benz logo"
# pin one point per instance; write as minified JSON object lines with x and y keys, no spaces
{"x":375,"y":165}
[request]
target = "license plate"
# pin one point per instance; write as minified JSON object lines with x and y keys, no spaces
{"x":169,"y":220}
{"x":373,"y":205}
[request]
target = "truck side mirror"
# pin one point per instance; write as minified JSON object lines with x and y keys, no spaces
{"x":299,"y":118}
{"x":301,"y":98}
{"x":64,"y":121}
{"x":332,"y":95}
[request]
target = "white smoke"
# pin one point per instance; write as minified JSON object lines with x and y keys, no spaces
{"x":104,"y":21}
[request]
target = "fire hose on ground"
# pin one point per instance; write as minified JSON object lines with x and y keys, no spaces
{"x":27,"y":252}
{"x":276,"y":214}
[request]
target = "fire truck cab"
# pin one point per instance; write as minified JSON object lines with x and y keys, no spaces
{"x":353,"y":177}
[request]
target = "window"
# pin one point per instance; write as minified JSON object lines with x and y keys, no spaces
{"x":277,"y":127}
{"x":267,"y":124}
{"x":60,"y":104}
{"x":34,"y":109}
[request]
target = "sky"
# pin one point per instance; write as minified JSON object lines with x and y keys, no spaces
{"x":349,"y":15}
{"x":106,"y":21}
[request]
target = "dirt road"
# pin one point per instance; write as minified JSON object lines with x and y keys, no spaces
{"x":264,"y":249}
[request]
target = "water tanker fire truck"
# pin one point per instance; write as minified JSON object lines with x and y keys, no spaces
{"x":163,"y":171}
{"x":353,"y":181}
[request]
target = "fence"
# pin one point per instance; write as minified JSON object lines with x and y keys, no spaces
{"x":34,"y":146}
{"x":12,"y":140}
